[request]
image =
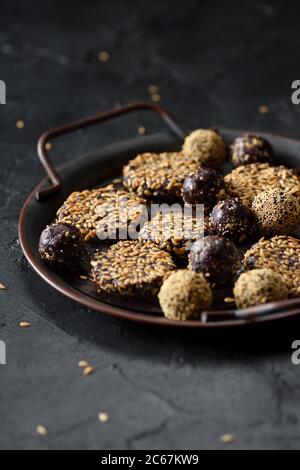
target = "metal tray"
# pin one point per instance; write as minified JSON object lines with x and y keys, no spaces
{"x":98,"y":168}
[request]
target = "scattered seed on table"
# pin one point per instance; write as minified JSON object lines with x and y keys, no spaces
{"x":153,"y":89}
{"x":88,"y":370}
{"x":103,"y":56}
{"x":84,"y":278}
{"x":155,"y":97}
{"x":48,"y":146}
{"x":20,"y":124}
{"x":24,"y":324}
{"x":227,"y":438}
{"x":103,"y":417}
{"x":83,"y":364}
{"x":2,"y":287}
{"x":142,"y":130}
{"x":263,"y":110}
{"x":41,"y":430}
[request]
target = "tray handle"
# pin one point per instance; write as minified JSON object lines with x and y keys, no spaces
{"x":86,"y":122}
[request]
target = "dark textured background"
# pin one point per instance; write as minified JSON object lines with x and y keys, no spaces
{"x":215,"y":63}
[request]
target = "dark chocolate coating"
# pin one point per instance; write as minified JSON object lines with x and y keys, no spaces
{"x":232,"y":219}
{"x":61,"y":245}
{"x":216,"y":257}
{"x":203,"y":187}
{"x":250,"y":148}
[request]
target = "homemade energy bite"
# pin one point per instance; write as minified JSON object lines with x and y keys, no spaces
{"x":206,"y":147}
{"x":104,"y":212}
{"x":282,"y":255}
{"x":158,"y":175}
{"x":246,"y":181}
{"x":131,"y":268}
{"x":206,"y":186}
{"x":173,"y":231}
{"x":250,"y":148}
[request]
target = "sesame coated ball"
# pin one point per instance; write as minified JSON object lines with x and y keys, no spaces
{"x":216,"y":257}
{"x":184,"y":294}
{"x":206,"y":186}
{"x":277,"y":212}
{"x":258,"y":287}
{"x":250,"y":148}
{"x":232,"y":219}
{"x":205,"y":146}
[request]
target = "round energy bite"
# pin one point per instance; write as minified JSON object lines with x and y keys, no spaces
{"x":216,"y":257}
{"x":250,"y":148}
{"x":173,"y":231}
{"x":206,"y":186}
{"x":232,"y":219}
{"x":206,"y":146}
{"x":246,"y":181}
{"x":277,"y":212}
{"x":131,"y":268}
{"x":258,"y":287}
{"x":158,"y":175}
{"x":184,"y":294}
{"x":282,"y":255}
{"x":61,"y":245}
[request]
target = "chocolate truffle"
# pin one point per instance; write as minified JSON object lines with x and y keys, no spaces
{"x":259,"y":286}
{"x":61,"y":245}
{"x":206,"y":186}
{"x":216,"y":257}
{"x":277,"y":212}
{"x":231,"y":219}
{"x":206,"y":147}
{"x":184,"y":294}
{"x":250,"y":148}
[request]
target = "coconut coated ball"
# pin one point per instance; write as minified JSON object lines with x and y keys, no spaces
{"x":277,"y":212}
{"x":250,"y":148}
{"x":206,"y":146}
{"x":61,"y":245}
{"x":232,"y":219}
{"x":184,"y":294}
{"x":259,"y":286}
{"x":206,"y":186}
{"x":216,"y":257}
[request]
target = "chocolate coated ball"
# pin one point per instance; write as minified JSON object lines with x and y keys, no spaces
{"x":206,"y":186}
{"x":250,"y":148}
{"x":61,"y":245}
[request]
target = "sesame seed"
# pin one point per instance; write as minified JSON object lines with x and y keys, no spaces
{"x":84,"y":278}
{"x":155,"y":97}
{"x":142,"y":130}
{"x":20,"y":124}
{"x":263,"y":109}
{"x":83,"y":364}
{"x":41,"y":430}
{"x":2,"y":287}
{"x":229,"y":300}
{"x":227,"y":438}
{"x":103,"y":56}
{"x":24,"y":324}
{"x":88,"y":370}
{"x":48,"y":146}
{"x":103,"y":417}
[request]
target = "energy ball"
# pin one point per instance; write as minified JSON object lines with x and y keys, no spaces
{"x":61,"y":245}
{"x":216,"y":257}
{"x":259,"y":286}
{"x":184,"y":294}
{"x":206,"y":186}
{"x":277,"y":212}
{"x":250,"y":148}
{"x":231,"y":219}
{"x":206,"y":146}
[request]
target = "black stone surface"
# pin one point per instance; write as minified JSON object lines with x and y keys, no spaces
{"x":215,"y":64}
